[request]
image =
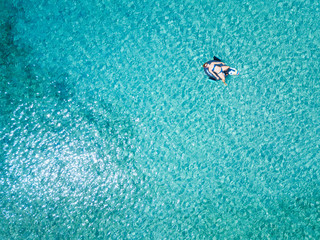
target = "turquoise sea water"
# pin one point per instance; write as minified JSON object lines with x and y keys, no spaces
{"x":109,"y":128}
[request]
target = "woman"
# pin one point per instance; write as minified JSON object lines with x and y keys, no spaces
{"x":218,"y":69}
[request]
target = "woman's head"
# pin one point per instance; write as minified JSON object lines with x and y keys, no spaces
{"x":205,"y":65}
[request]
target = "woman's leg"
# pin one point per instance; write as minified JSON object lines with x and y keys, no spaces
{"x":225,"y":68}
{"x":223,"y":78}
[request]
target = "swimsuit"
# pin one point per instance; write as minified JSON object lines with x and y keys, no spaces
{"x":214,"y":66}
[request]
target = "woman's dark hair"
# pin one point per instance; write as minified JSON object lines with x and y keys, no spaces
{"x":204,"y":65}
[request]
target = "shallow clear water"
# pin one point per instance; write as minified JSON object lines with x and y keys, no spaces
{"x":110,"y":129}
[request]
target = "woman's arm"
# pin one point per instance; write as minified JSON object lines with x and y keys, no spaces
{"x":220,"y":63}
{"x":214,"y":73}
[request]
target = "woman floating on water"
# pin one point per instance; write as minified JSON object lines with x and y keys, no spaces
{"x":218,"y":70}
